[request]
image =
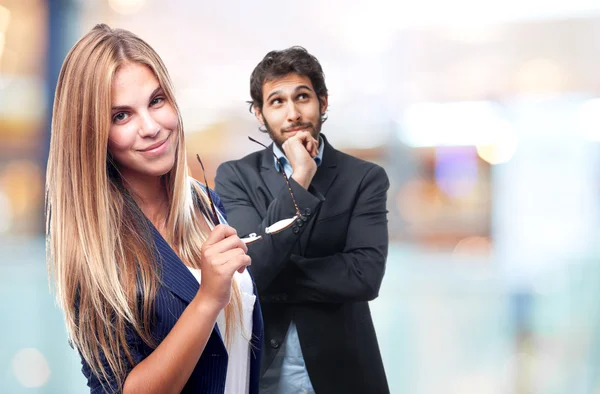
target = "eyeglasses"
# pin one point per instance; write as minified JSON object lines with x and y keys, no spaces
{"x":247,"y":240}
{"x":276,"y":227}
{"x":284,"y":223}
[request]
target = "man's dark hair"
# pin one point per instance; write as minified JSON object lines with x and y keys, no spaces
{"x":277,"y":64}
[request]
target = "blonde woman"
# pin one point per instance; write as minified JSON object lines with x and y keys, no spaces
{"x":131,"y":235}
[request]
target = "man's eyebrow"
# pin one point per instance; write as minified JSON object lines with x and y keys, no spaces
{"x":300,"y":87}
{"x":273,"y":94}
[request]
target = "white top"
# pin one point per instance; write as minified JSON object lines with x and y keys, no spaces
{"x":237,"y":380}
{"x":238,"y":367}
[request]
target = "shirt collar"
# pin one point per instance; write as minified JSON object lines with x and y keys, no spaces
{"x":281,"y":156}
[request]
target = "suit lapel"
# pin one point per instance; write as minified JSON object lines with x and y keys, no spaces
{"x":322,"y":181}
{"x":324,"y":178}
{"x":327,"y":171}
{"x":273,"y":179}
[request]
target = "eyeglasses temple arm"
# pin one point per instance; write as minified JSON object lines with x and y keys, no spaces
{"x":212,"y":205}
{"x":287,"y":181}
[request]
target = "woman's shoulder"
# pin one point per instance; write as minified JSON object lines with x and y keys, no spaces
{"x":198,"y":186}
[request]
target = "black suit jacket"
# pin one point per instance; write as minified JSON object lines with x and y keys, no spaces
{"x":322,"y":271}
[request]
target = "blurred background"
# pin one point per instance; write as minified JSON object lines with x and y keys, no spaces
{"x":486,"y":116}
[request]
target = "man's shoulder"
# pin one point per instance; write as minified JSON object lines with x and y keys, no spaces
{"x":252,"y":160}
{"x":353,"y":163}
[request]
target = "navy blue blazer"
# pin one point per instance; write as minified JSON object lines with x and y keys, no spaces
{"x":176,"y":291}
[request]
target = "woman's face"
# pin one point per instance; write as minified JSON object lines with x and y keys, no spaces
{"x":143,"y":134}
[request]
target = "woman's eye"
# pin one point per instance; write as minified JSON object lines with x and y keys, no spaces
{"x":119,"y":117}
{"x":157,"y":100}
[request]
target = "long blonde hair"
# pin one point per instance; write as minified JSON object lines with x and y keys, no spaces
{"x":99,"y":246}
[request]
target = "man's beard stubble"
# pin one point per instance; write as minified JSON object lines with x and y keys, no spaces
{"x":278,"y":140}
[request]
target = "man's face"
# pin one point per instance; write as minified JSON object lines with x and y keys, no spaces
{"x":290,"y":105}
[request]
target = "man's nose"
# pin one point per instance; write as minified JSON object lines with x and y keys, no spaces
{"x":293,"y":112}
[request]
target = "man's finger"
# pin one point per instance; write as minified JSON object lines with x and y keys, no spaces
{"x":312,"y":147}
{"x":305,"y":136}
{"x":309,"y":142}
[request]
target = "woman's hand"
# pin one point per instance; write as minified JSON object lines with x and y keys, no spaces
{"x":222,"y":254}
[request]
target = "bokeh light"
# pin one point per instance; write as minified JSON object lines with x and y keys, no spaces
{"x":126,"y":7}
{"x":30,"y":367}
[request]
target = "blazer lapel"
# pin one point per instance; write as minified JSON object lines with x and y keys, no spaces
{"x":273,"y":179}
{"x":322,"y":181}
{"x":327,"y":171}
{"x":174,"y":274}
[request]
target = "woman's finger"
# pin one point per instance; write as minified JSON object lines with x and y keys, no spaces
{"x":225,"y":244}
{"x":238,"y":263}
{"x":223,"y":258}
{"x":219,"y":233}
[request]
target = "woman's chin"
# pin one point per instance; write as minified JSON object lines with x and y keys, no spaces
{"x":157,"y":170}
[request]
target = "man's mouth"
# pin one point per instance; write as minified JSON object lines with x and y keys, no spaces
{"x":298,"y":128}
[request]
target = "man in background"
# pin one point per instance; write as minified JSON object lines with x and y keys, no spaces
{"x":324,"y":236}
